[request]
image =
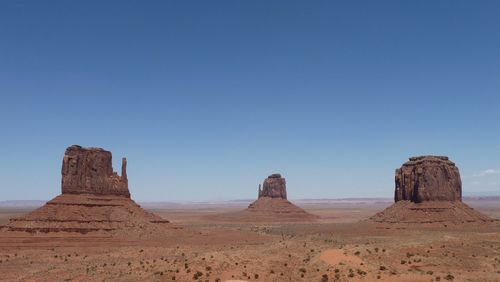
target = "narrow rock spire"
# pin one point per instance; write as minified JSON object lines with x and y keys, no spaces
{"x":124,"y":169}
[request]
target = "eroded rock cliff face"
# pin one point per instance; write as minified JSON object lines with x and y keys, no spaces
{"x":271,"y":206}
{"x":274,"y":187}
{"x":94,"y":200}
{"x":90,"y":171}
{"x":428,"y":178}
{"x":429,"y":191}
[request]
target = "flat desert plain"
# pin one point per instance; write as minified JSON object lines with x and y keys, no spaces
{"x":342,"y":245}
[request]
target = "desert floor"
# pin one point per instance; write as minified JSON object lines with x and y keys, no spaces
{"x":341,"y":246}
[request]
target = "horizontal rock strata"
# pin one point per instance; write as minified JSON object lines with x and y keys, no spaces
{"x":429,"y":190}
{"x":428,"y":178}
{"x":94,"y":199}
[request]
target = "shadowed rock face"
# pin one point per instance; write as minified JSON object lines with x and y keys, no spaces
{"x":428,"y":178}
{"x":274,"y":187}
{"x":90,"y":171}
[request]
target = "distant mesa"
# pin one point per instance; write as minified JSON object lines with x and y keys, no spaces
{"x":271,"y":206}
{"x":94,"y":199}
{"x":429,"y":190}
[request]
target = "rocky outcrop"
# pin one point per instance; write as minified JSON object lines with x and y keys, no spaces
{"x":430,"y":212}
{"x":428,"y":178}
{"x":274,"y":187}
{"x":271,"y":206}
{"x":429,"y":191}
{"x":84,"y":213}
{"x":90,"y":171}
{"x":94,"y":200}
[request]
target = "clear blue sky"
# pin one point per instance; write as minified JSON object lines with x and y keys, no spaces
{"x":207,"y":98}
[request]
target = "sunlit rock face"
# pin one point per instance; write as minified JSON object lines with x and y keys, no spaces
{"x":90,"y":171}
{"x":94,"y":200}
{"x":428,"y":178}
{"x":274,"y":187}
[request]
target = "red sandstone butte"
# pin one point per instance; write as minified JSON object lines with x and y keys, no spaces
{"x":90,"y":171}
{"x":94,"y":199}
{"x":428,"y":178}
{"x":274,"y":187}
{"x":429,"y":190}
{"x":271,"y":206}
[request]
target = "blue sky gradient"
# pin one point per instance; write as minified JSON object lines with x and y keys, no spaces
{"x":207,"y":98}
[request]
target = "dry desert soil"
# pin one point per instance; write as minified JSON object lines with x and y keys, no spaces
{"x":339,"y":246}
